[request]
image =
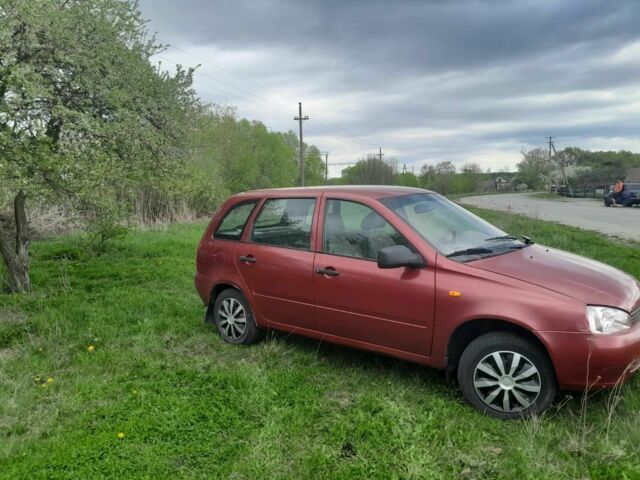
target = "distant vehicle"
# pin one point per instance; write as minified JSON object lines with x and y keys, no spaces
{"x":629,"y":196}
{"x":405,"y":272}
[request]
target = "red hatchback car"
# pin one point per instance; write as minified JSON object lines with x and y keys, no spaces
{"x":405,"y":272}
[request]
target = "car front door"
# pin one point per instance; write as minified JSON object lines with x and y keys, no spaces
{"x":389,"y":308}
{"x":276,"y":261}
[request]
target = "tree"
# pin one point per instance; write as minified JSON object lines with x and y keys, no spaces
{"x":562,"y":161}
{"x":369,"y":171}
{"x":534,"y":168}
{"x":407,"y":179}
{"x":314,"y":168}
{"x":470,"y":179}
{"x":427,"y":174}
{"x":83,"y":114}
{"x":601,"y":168}
{"x":471,"y":167}
{"x":445,"y":168}
{"x":444,"y":172}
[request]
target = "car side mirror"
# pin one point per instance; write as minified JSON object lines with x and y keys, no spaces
{"x":399,"y":256}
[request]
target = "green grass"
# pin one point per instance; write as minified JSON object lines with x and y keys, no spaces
{"x":191,"y":406}
{"x":457,"y":196}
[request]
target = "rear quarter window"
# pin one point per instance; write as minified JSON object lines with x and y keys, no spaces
{"x":234,"y":221}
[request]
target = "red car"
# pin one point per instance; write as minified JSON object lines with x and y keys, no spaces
{"x":407,"y":273}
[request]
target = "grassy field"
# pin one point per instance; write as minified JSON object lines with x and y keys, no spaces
{"x":187,"y":405}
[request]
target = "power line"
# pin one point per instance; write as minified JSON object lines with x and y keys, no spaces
{"x":230,"y":72}
{"x":262,"y":102}
{"x":327,"y":125}
{"x":258,"y":98}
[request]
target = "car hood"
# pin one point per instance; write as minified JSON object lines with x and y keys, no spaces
{"x":578,"y":277}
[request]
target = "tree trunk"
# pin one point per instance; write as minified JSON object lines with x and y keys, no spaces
{"x":17,"y":259}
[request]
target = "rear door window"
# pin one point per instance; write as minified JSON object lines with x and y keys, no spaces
{"x":285,"y":222}
{"x":234,"y":221}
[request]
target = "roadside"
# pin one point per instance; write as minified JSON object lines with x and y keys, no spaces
{"x":576,"y":212}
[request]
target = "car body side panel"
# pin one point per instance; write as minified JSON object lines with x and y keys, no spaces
{"x":389,"y":307}
{"x":489,"y":296}
{"x":348,"y":342}
{"x":280,"y":282}
{"x":392,"y":308}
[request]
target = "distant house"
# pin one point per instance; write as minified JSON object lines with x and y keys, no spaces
{"x":502,"y":183}
{"x":633,"y":175}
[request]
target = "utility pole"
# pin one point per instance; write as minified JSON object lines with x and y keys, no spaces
{"x":551,"y":145}
{"x":301,"y":119}
{"x":404,"y":168}
{"x":326,"y":166}
{"x":380,"y":168}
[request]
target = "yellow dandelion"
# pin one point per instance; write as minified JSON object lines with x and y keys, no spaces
{"x":44,"y":385}
{"x":120,"y":435}
{"x":135,"y":392}
{"x":50,"y":380}
{"x":90,"y":348}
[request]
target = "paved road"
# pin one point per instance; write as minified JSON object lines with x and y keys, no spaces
{"x":582,"y":213}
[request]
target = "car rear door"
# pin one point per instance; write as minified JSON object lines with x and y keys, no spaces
{"x":356,"y":300}
{"x":276,"y":261}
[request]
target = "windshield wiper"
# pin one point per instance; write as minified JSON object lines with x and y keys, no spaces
{"x":470,"y":251}
{"x":527,"y":240}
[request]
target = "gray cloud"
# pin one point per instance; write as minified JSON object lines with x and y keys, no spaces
{"x":426,"y":80}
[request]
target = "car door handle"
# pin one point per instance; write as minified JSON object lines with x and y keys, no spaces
{"x":330,"y":272}
{"x":248,"y":259}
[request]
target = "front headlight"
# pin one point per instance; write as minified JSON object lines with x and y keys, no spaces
{"x":607,"y":319}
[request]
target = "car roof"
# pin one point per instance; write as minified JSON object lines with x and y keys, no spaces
{"x":369,"y":191}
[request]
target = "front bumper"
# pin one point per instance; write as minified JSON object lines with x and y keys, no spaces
{"x":586,"y":361}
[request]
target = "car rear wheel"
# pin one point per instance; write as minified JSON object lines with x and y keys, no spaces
{"x":234,"y":320}
{"x":506,"y":376}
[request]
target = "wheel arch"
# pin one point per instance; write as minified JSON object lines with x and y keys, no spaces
{"x":215,"y":291}
{"x":468,"y":331}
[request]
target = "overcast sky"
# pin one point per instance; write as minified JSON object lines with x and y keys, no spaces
{"x":425,"y":80}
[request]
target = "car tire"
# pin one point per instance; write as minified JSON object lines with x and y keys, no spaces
{"x":500,"y":364}
{"x":234,"y":319}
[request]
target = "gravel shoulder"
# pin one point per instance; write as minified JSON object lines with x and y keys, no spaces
{"x":587,"y":214}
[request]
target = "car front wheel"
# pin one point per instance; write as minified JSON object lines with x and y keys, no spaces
{"x":506,"y":376}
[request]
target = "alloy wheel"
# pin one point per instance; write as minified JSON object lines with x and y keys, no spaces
{"x":507,"y":381}
{"x":232,"y":318}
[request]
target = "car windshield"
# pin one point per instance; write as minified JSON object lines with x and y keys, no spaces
{"x":451,"y":229}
